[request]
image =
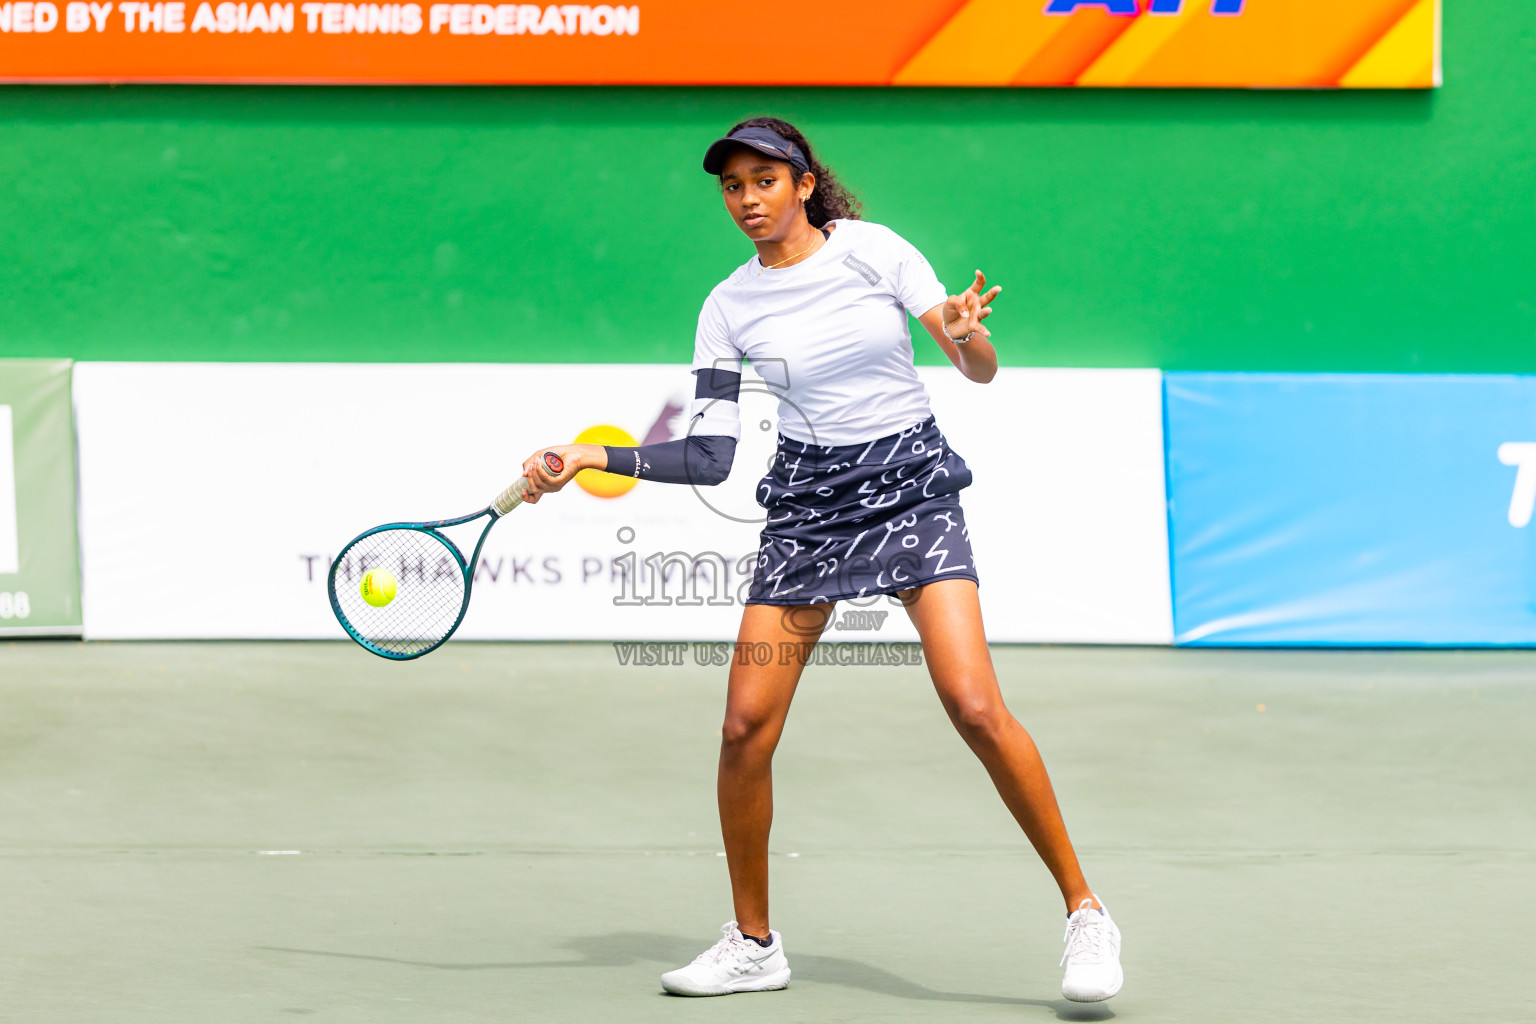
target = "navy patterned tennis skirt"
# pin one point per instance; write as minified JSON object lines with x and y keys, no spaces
{"x":863,"y":519}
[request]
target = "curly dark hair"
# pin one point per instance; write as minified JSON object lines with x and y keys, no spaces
{"x":830,"y":200}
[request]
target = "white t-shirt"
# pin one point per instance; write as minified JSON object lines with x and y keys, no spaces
{"x":829,"y":335}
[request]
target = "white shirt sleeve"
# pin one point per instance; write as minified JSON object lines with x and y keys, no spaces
{"x":917,"y":287}
{"x":714,"y":351}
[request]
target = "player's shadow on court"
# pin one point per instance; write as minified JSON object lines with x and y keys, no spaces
{"x":626,"y":949}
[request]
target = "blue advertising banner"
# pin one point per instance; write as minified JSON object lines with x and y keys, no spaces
{"x":1352,"y":509}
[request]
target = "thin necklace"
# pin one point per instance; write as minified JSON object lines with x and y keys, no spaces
{"x":786,"y":259}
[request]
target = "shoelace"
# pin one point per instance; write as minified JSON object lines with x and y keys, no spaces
{"x":718,"y":952}
{"x":1087,"y":939}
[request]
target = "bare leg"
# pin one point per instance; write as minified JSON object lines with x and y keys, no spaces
{"x":755,"y":709}
{"x":947,"y":615}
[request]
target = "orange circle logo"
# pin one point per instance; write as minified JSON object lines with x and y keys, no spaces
{"x":594,"y":481}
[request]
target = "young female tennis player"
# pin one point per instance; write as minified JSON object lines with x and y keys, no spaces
{"x":862,"y":500}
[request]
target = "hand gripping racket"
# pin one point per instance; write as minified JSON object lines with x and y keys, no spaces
{"x":432,"y":579}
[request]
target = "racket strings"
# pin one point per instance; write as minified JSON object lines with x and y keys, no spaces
{"x":429,"y":590}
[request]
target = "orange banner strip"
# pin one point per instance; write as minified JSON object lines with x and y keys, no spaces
{"x":1272,"y":43}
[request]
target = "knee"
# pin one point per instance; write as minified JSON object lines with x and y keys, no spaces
{"x":742,"y":733}
{"x":980,"y":720}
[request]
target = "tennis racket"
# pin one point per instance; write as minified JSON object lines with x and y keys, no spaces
{"x":432,"y":579}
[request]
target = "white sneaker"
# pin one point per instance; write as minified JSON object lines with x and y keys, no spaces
{"x":734,"y":964}
{"x":1092,"y":956}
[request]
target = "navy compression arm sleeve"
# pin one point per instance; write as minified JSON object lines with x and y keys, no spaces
{"x":702,"y":459}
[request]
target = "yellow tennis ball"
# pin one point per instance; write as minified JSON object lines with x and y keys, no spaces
{"x":595,"y":482}
{"x":378,"y":587}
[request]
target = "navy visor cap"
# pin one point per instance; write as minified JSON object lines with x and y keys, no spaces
{"x":764,"y":140}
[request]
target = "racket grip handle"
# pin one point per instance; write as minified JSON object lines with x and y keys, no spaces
{"x":512,"y":497}
{"x":515,"y":495}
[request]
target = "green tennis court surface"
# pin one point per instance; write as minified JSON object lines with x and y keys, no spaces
{"x":527,"y":833}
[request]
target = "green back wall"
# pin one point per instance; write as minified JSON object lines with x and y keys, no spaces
{"x":1185,"y":230}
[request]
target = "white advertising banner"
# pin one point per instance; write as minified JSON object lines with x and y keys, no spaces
{"x":10,"y":543}
{"x":214,"y":496}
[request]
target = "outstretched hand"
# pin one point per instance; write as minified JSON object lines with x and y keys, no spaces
{"x":964,"y":313}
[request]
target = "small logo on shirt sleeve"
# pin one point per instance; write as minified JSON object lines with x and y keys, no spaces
{"x":861,"y":268}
